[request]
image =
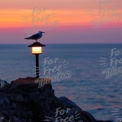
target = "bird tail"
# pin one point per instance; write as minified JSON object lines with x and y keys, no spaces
{"x":27,"y":38}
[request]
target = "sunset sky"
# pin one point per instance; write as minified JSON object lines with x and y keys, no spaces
{"x":64,"y":21}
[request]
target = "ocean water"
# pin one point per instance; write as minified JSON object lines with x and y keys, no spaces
{"x":88,"y":74}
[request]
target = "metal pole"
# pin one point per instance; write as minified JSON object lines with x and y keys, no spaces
{"x":37,"y":65}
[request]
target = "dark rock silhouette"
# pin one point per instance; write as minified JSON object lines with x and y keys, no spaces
{"x":3,"y":83}
{"x":23,"y":101}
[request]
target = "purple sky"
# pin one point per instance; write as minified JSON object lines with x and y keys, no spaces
{"x":79,"y":21}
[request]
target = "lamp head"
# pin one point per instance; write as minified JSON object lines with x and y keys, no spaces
{"x":36,"y":47}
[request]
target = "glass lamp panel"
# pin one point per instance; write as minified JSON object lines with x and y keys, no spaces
{"x":36,"y":50}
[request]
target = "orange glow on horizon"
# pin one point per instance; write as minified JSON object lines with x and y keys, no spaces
{"x":23,"y":18}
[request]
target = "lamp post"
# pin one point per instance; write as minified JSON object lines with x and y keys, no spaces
{"x":36,"y":50}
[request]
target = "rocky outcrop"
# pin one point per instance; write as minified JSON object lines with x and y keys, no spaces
{"x":23,"y":101}
{"x":3,"y":83}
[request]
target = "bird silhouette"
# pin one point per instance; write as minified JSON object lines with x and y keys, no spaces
{"x":36,"y":36}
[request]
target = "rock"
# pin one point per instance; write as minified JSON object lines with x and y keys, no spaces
{"x":1,"y":101}
{"x":3,"y":83}
{"x":67,"y":103}
{"x":23,"y":101}
{"x":19,"y":98}
{"x":26,"y":80}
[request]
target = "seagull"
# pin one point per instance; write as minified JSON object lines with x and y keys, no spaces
{"x":36,"y":36}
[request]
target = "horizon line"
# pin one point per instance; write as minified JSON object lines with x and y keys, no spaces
{"x":58,"y":43}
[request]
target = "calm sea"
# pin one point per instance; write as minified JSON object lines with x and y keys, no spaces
{"x":88,"y":74}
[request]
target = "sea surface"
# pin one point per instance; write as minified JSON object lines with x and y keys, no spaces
{"x":88,"y":74}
